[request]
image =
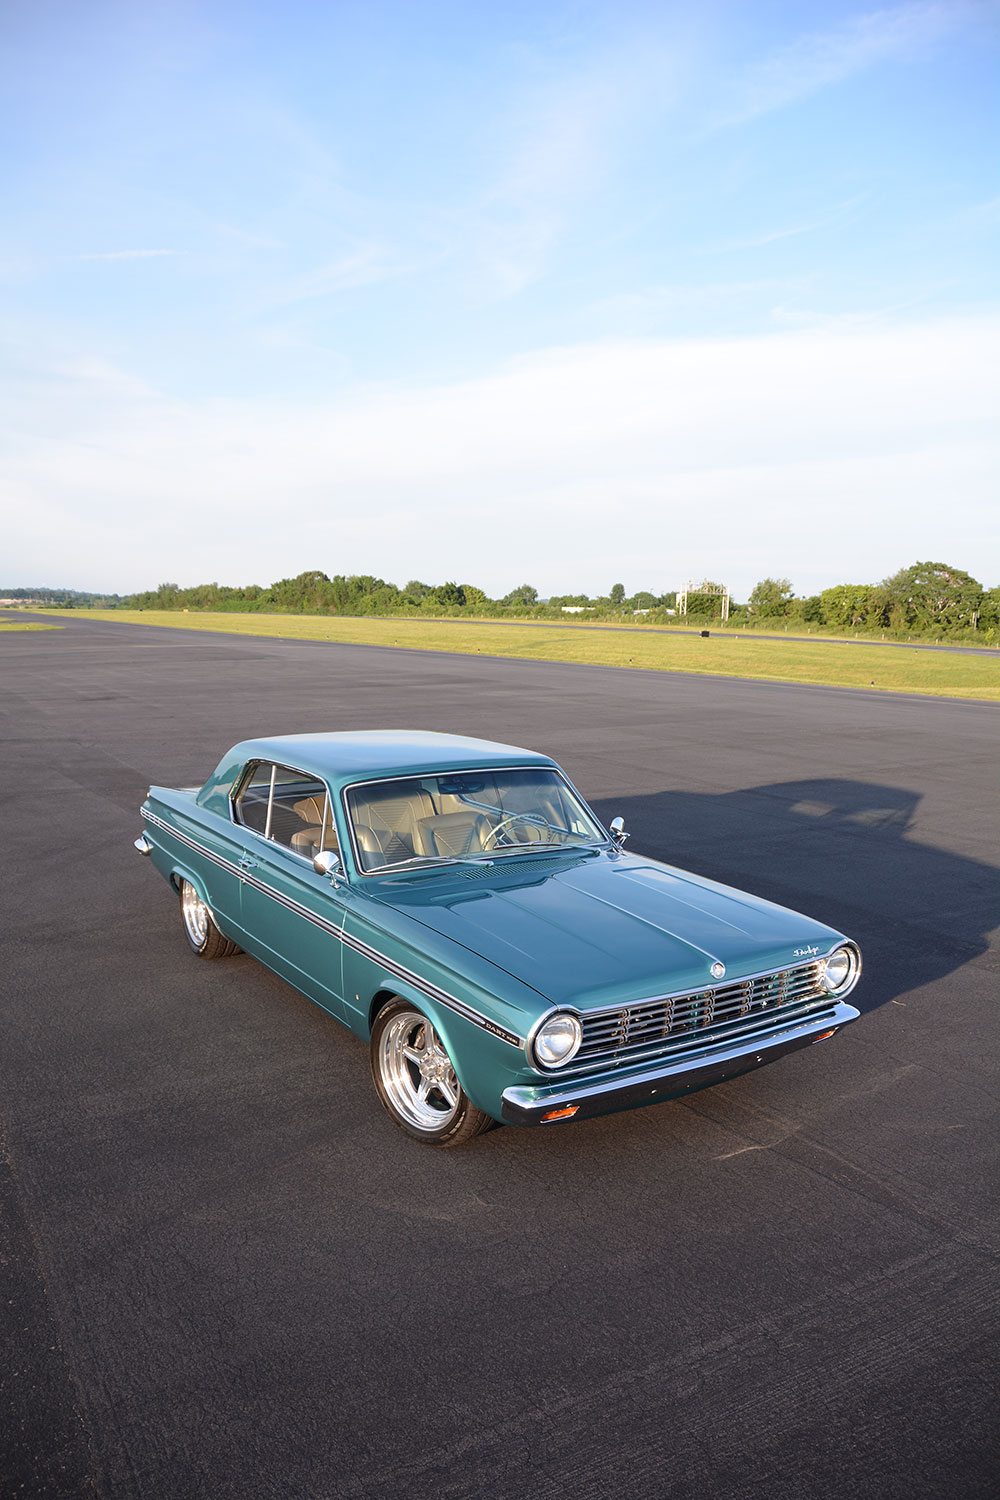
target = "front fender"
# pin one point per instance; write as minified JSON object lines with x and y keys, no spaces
{"x":484,"y":1064}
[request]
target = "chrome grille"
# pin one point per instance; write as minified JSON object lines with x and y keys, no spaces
{"x":656,"y":1025}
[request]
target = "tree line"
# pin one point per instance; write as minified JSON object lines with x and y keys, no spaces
{"x":926,"y":600}
{"x":61,"y":598}
{"x":363,"y":594}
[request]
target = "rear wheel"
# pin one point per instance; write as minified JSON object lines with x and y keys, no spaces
{"x":204,"y":938}
{"x":416,"y":1081}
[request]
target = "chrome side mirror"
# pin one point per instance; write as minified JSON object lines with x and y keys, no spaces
{"x":618,"y":831}
{"x":327,"y":862}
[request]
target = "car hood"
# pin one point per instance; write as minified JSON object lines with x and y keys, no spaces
{"x":610,"y":928}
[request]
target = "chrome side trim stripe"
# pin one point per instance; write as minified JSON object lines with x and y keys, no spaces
{"x":450,"y":1002}
{"x":292,"y":905}
{"x":182,"y":838}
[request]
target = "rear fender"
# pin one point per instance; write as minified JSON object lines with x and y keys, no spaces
{"x":178,"y":872}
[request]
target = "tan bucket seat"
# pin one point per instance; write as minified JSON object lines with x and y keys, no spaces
{"x":318,"y":835}
{"x":387,"y":826}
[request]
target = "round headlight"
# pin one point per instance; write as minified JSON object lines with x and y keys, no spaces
{"x":558,"y":1040}
{"x":840,"y":969}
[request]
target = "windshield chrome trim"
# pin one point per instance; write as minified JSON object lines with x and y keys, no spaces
{"x":457,"y":771}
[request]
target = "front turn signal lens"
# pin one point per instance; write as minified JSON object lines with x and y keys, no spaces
{"x":559,"y":1114}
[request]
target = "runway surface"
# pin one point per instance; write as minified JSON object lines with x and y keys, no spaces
{"x":225,"y":1274}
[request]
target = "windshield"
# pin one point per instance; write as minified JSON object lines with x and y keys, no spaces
{"x":466,"y":815}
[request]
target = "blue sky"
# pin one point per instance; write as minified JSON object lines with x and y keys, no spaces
{"x":558,"y":293}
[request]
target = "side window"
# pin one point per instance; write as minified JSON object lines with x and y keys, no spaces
{"x":253,"y":799}
{"x":288,"y":806}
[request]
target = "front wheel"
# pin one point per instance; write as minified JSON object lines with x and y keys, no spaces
{"x":204,"y":938}
{"x":416,"y":1082}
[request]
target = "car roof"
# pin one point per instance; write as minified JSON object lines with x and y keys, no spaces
{"x":358,"y":755}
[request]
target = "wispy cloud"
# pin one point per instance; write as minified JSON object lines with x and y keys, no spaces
{"x":127,"y":254}
{"x":769,"y":236}
{"x":562,"y":139}
{"x":799,"y":315}
{"x":728,"y":457}
{"x":362,"y":265}
{"x":988,"y":212}
{"x":755,"y":241}
{"x":660,"y":308}
{"x":819,"y":59}
{"x":554,"y":153}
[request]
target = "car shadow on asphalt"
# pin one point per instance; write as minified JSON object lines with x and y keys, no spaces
{"x":839,"y":851}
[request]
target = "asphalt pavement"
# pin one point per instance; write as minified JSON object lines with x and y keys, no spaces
{"x":226,"y":1275}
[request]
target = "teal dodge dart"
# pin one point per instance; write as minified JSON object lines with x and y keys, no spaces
{"x":458,"y":905}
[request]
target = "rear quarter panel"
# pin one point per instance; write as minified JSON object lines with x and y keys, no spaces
{"x":192,"y":844}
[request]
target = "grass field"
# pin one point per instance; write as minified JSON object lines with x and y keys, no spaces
{"x":872,"y":667}
{"x":9,"y":625}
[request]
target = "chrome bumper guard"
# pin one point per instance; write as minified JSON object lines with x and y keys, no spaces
{"x":142,"y":844}
{"x":627,"y":1089}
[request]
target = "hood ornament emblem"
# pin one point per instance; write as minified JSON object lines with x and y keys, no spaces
{"x":718,"y":971}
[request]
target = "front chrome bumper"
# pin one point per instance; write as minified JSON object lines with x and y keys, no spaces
{"x":667,"y":1079}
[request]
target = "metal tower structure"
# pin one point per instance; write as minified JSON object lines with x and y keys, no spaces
{"x":716,"y":590}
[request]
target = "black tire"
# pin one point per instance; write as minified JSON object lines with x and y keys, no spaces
{"x":416,"y":1081}
{"x":204,"y":938}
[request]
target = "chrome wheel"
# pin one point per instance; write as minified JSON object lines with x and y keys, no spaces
{"x":416,"y":1072}
{"x":203,"y":935}
{"x":196,"y":915}
{"x":416,"y":1081}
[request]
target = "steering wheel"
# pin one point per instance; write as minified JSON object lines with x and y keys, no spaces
{"x":490,"y":841}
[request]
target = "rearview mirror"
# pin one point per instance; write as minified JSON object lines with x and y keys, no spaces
{"x":618,"y":831}
{"x":327,"y":862}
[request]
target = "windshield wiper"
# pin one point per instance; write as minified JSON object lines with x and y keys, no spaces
{"x":532,"y":848}
{"x":430,"y":859}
